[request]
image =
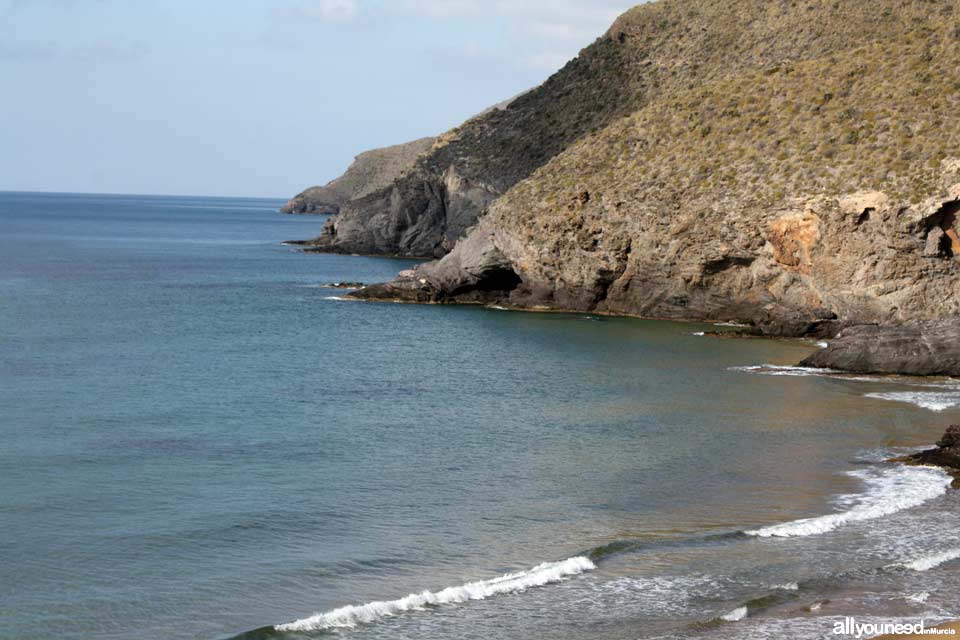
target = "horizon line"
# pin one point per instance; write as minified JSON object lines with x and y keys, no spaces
{"x":149,"y":195}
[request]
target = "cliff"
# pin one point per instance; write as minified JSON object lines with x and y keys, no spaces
{"x":427,"y":210}
{"x":784,"y":164}
{"x":370,"y":171}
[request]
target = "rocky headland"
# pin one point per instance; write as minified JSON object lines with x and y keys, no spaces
{"x":370,"y":171}
{"x":790,"y":166}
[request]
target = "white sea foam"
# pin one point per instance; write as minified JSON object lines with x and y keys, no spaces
{"x":787,"y":370}
{"x":921,"y":597}
{"x":670,"y":596}
{"x":823,"y":345}
{"x":933,"y":560}
{"x":729,"y":324}
{"x":932,"y":400}
{"x":790,"y":586}
{"x":736,"y":615}
{"x":784,"y":370}
{"x":699,"y":334}
{"x":338,"y":298}
{"x":352,"y":616}
{"x":888,"y":491}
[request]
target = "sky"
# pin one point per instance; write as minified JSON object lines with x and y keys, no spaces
{"x":256,"y":97}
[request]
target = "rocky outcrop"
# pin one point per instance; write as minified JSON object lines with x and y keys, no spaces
{"x":946,"y":455}
{"x":477,"y":272}
{"x":416,"y":217}
{"x":926,"y":349}
{"x":370,"y":171}
{"x":315,"y":200}
{"x":774,"y":169}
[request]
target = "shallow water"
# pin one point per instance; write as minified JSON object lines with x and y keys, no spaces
{"x":200,"y":441}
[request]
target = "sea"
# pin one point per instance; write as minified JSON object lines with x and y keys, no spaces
{"x":200,"y":438}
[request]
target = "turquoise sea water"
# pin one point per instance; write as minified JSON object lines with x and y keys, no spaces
{"x":200,"y":440}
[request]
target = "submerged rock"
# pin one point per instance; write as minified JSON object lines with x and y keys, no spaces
{"x":920,"y":349}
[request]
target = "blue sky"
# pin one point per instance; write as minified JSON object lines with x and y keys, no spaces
{"x":256,"y":97}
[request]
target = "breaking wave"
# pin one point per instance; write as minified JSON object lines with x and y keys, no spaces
{"x":353,"y":616}
{"x":933,"y":560}
{"x":736,"y":615}
{"x":784,"y":370}
{"x":932,"y":400}
{"x":887,"y":491}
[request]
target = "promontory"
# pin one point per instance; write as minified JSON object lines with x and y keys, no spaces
{"x":794,"y":166}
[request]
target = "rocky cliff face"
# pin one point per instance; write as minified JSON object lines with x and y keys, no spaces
{"x":427,"y":210}
{"x":370,"y":171}
{"x":785,"y":164}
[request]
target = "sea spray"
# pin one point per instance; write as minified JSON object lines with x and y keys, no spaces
{"x":736,"y":615}
{"x":931,"y":400}
{"x":933,"y":560}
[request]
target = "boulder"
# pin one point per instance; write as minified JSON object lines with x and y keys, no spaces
{"x":921,"y":349}
{"x":946,"y":455}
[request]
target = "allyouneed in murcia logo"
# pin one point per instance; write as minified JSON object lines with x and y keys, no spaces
{"x":850,"y":627}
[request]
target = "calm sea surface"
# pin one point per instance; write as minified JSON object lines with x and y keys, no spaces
{"x":198,"y":439}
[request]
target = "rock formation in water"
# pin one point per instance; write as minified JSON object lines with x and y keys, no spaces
{"x":922,"y":349}
{"x":946,"y":455}
{"x":370,"y":171}
{"x":788,"y":165}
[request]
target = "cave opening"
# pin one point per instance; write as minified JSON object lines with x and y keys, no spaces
{"x":502,"y":278}
{"x":945,"y":218}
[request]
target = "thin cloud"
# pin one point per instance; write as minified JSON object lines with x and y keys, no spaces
{"x":539,"y":35}
{"x":92,"y":52}
{"x":558,"y":10}
{"x":546,"y":61}
{"x":561,"y":31}
{"x":327,"y":10}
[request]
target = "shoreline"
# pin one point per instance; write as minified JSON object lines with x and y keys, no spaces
{"x":743,"y":329}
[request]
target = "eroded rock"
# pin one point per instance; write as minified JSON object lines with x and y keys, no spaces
{"x":946,"y":454}
{"x":921,"y":349}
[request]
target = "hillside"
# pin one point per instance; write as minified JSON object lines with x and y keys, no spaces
{"x":789,"y":165}
{"x":655,"y":52}
{"x":370,"y":171}
{"x":425,"y":211}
